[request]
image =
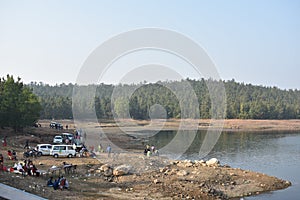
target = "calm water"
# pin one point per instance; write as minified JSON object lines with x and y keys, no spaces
{"x":272,"y":153}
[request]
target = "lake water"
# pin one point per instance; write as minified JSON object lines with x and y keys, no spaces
{"x":273,"y":153}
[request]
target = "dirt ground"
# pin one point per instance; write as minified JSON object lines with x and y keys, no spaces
{"x":152,"y":177}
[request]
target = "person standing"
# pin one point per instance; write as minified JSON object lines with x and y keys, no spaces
{"x":26,"y":145}
{"x":108,"y":150}
{"x":100,"y":148}
{"x":4,"y":141}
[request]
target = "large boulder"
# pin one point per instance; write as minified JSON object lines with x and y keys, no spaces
{"x":108,"y":172}
{"x":121,"y":170}
{"x":212,"y":162}
{"x":104,"y":167}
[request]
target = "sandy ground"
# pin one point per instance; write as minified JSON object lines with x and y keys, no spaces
{"x":150,"y":177}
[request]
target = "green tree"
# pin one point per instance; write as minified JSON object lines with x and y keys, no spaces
{"x":19,"y":107}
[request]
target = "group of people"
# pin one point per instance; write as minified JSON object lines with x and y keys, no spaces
{"x":26,"y":168}
{"x":150,"y":150}
{"x":60,"y":183}
{"x":12,"y":155}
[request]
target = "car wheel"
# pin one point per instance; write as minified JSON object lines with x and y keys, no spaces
{"x":39,"y":154}
{"x":55,"y":156}
{"x":70,"y":156}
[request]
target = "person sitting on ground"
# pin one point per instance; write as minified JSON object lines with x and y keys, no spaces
{"x":20,"y":168}
{"x":66,"y":184}
{"x":56,"y":184}
{"x":62,"y":183}
{"x":1,"y":158}
{"x":9,"y":154}
{"x":156,"y":152}
{"x":14,"y":155}
{"x":15,"y":166}
{"x":26,"y":167}
{"x":149,"y":153}
{"x":153,"y":148}
{"x":32,"y":168}
{"x":50,"y":182}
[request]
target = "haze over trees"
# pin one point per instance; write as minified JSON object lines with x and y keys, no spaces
{"x":19,"y":107}
{"x":244,"y":101}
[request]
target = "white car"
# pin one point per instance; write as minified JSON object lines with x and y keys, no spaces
{"x":62,"y":150}
{"x":68,"y":136}
{"x":44,"y":149}
{"x":58,"y":139}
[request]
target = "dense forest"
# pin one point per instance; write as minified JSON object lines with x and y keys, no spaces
{"x":244,"y":101}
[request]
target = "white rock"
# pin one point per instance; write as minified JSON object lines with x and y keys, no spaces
{"x":212,"y":161}
{"x":156,"y":181}
{"x":121,"y":170}
{"x":105,"y":167}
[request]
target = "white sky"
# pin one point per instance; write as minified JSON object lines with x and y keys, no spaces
{"x":251,"y":41}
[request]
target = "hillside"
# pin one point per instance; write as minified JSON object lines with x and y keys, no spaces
{"x":244,"y":101}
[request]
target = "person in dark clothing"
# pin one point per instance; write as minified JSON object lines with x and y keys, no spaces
{"x":50,"y":182}
{"x":14,"y":155}
{"x":56,"y":184}
{"x":26,"y":145}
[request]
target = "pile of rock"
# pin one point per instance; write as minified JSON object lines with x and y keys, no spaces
{"x":188,"y":163}
{"x":107,"y":170}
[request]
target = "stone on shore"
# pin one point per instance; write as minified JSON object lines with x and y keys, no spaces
{"x":212,"y":162}
{"x":121,"y":170}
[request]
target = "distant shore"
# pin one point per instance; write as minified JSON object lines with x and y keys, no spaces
{"x":202,"y":124}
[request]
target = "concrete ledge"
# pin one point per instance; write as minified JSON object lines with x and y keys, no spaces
{"x":12,"y":193}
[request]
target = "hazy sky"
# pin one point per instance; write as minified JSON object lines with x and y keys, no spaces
{"x":251,"y":41}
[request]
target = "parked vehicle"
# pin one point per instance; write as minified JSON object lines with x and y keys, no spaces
{"x":62,"y":150}
{"x":58,"y":139}
{"x":56,"y":125}
{"x":67,"y":136}
{"x":31,"y":153}
{"x":44,"y":149}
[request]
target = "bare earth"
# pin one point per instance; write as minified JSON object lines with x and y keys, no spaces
{"x":149,"y":177}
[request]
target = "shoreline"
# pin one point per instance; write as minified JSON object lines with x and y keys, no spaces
{"x":228,"y":125}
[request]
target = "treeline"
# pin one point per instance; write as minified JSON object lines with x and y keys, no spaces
{"x":244,"y":101}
